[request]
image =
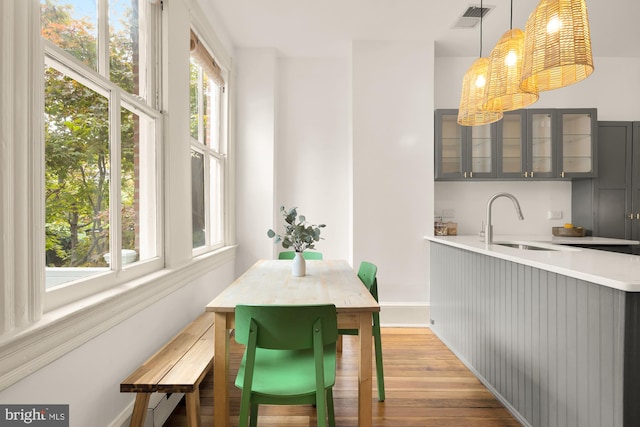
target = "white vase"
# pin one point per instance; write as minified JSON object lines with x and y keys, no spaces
{"x":299,"y":266}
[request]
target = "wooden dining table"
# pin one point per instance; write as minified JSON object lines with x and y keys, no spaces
{"x":271,"y":282}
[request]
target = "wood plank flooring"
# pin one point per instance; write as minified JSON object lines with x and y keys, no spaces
{"x":426,"y":385}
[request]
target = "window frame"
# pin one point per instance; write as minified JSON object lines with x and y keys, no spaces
{"x":115,"y":274}
{"x":30,"y":337}
{"x":200,"y":146}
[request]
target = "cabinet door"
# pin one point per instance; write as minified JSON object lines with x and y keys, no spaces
{"x":481,"y":151}
{"x":449,"y":145}
{"x":577,"y":149}
{"x":512,"y":145}
{"x":463,"y":152}
{"x":613,"y":187}
{"x":541,"y":144}
{"x":634,"y":218}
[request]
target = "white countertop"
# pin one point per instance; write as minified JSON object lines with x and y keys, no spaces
{"x":615,"y":270}
{"x":587,"y":240}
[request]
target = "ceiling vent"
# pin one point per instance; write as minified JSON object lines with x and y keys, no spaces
{"x":471,"y":17}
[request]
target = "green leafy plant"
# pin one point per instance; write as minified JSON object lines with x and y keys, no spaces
{"x":298,"y":234}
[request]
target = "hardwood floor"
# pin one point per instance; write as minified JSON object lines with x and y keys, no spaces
{"x":426,"y":385}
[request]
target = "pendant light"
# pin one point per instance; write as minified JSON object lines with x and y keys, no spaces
{"x":502,"y":91}
{"x":470,"y":112}
{"x":557,"y":46}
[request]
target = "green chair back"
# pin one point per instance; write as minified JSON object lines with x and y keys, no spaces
{"x":290,"y":358}
{"x":367,"y":273}
{"x":306,"y":255}
{"x":286,"y":327}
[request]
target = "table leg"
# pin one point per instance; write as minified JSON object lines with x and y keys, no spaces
{"x":365,"y":408}
{"x":221,"y":371}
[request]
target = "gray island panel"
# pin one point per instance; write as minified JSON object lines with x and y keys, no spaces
{"x":556,"y":350}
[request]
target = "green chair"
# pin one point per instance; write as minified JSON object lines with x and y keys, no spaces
{"x":290,"y":358}
{"x":367,"y":274}
{"x":306,"y":254}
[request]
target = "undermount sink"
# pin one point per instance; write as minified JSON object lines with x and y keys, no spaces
{"x":534,"y":246}
{"x":526,"y":247}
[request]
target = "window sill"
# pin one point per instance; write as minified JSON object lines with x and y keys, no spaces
{"x":25,"y":350}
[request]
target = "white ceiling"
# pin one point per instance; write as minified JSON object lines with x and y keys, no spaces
{"x":325,"y":28}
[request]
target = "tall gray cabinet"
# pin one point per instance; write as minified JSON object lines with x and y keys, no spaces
{"x":609,"y":205}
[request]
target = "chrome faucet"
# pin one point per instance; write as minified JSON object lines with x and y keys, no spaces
{"x":488,"y":232}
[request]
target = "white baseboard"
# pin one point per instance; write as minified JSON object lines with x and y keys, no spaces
{"x":404,"y":314}
{"x":161,"y":406}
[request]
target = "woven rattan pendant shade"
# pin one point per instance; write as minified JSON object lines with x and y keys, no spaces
{"x":557,"y":46}
{"x":470,"y":112}
{"x":502,"y":92}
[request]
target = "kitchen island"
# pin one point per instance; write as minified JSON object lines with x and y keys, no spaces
{"x":553,"y":333}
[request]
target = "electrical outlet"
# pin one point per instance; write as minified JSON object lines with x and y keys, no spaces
{"x":448,"y":213}
{"x":554,"y":214}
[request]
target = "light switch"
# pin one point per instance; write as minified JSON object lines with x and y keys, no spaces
{"x":554,"y":214}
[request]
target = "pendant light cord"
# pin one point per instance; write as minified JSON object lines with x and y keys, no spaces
{"x":481,"y":15}
{"x":511,"y":17}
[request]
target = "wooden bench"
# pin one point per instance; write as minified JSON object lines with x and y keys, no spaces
{"x":178,"y":367}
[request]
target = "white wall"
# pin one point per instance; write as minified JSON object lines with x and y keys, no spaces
{"x":293,"y":147}
{"x":612,"y":89}
{"x":313,"y":148}
{"x":469,"y":202}
{"x":393,"y":167}
{"x":354,"y":150}
{"x":88,"y":378}
{"x":256,"y":78}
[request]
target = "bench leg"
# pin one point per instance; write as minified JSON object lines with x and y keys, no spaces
{"x":140,"y":410}
{"x":193,"y":408}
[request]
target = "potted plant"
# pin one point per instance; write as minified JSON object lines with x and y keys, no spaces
{"x":298,"y":235}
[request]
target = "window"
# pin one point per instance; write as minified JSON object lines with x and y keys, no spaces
{"x":207,"y":105}
{"x":102,"y":133}
{"x":83,"y":129}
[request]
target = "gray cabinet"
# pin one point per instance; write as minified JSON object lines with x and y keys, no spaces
{"x":463,"y":152}
{"x":577,"y":150}
{"x":514,"y":150}
{"x":542,"y":144}
{"x":547,"y":144}
{"x":609,"y":205}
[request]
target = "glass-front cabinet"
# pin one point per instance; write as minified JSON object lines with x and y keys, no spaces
{"x":525,"y":144}
{"x":449,"y":135}
{"x":512,"y":145}
{"x":463,"y":152}
{"x":542,"y":141}
{"x":482,"y":145}
{"x":576,"y":151}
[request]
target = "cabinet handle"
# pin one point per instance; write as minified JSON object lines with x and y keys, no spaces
{"x":465,"y":174}
{"x":531,"y":174}
{"x":638,"y":216}
{"x":562,"y":174}
{"x":630,"y":216}
{"x":526,"y":174}
{"x":471,"y":174}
